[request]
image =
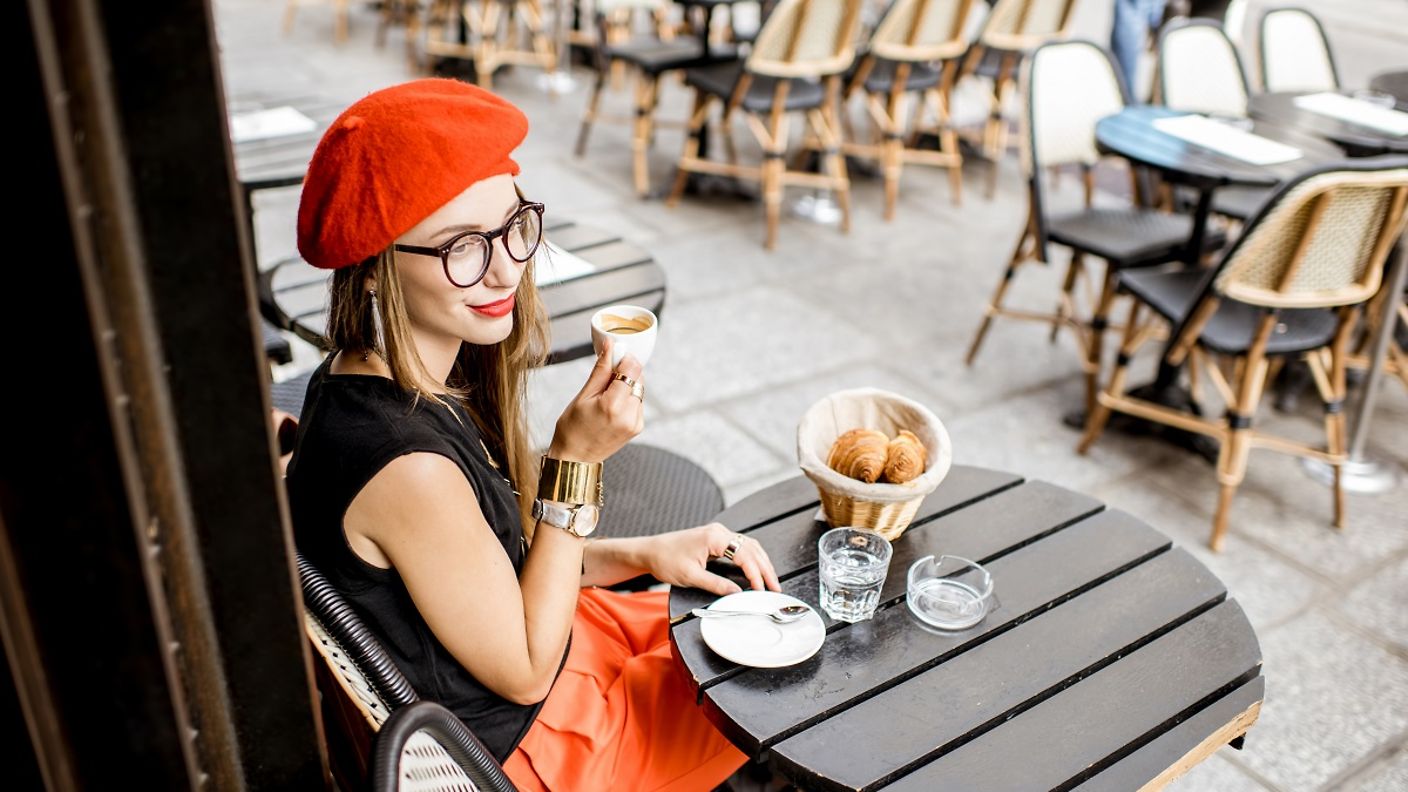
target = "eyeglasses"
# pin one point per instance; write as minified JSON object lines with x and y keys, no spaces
{"x":467,"y":255}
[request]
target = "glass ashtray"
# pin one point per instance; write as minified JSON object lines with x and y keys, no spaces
{"x":949,"y":592}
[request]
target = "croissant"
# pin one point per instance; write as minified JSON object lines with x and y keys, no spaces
{"x":860,"y":454}
{"x":904,"y":458}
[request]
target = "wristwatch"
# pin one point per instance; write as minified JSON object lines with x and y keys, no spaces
{"x":577,"y":519}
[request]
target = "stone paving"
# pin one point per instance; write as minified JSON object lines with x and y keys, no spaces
{"x":750,"y":338}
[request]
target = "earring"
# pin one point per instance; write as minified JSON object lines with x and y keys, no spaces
{"x":378,"y":329}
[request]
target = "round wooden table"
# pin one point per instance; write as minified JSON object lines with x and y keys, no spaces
{"x":1115,"y":659}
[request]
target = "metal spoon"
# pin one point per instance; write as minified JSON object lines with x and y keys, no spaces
{"x":783,"y":615}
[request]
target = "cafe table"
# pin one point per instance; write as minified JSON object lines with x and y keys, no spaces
{"x":1356,"y":140}
{"x":1114,"y":660}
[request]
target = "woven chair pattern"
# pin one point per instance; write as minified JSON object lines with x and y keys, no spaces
{"x":1025,"y":24}
{"x":1294,"y":55}
{"x":1200,"y":72}
{"x":430,"y":767}
{"x":824,"y":33}
{"x":1333,"y":267}
{"x":427,"y":767}
{"x":352,"y":680}
{"x":939,"y":32}
{"x":1078,"y":87}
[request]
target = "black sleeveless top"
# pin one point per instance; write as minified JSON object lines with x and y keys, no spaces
{"x":352,"y":426}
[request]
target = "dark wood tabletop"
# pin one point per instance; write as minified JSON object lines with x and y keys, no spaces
{"x":1393,"y":83}
{"x":1131,"y":134}
{"x":1356,"y":140}
{"x":294,"y":294}
{"x":1114,"y":658}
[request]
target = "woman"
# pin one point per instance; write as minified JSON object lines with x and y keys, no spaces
{"x":412,"y":482}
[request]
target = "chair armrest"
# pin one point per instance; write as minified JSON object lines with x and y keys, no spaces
{"x":450,"y":734}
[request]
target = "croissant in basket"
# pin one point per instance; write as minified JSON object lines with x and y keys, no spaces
{"x":860,"y":454}
{"x":904,"y":458}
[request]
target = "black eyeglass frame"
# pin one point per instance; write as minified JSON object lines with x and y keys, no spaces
{"x":443,"y":250}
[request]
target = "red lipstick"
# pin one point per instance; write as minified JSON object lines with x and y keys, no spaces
{"x":503,"y":307}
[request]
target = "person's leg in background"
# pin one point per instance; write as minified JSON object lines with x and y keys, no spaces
{"x":1129,"y":35}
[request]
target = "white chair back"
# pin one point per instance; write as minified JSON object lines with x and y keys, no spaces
{"x":1295,"y":55}
{"x":1069,"y":86}
{"x":1020,"y":25}
{"x":1199,"y":70}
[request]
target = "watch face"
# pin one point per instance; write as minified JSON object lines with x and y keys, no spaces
{"x":586,"y":520}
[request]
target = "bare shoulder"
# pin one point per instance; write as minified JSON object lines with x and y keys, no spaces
{"x":417,"y":494}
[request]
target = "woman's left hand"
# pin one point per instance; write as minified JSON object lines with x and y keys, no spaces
{"x":680,"y":559}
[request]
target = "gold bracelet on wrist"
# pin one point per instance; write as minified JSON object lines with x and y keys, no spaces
{"x":575,"y":483}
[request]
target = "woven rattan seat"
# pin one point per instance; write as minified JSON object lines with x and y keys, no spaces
{"x":1232,"y":328}
{"x":1239,"y":202}
{"x":718,"y":80}
{"x":654,"y":56}
{"x":1125,"y":237}
{"x":882,"y":77}
{"x":653,"y":491}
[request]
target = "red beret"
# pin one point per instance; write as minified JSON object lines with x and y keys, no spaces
{"x":393,"y":158}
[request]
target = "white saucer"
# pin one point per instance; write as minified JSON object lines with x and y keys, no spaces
{"x":757,"y":640}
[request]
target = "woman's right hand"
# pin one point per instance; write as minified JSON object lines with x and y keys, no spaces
{"x":603,"y":416}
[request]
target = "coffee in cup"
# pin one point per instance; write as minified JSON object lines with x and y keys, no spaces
{"x":630,"y":328}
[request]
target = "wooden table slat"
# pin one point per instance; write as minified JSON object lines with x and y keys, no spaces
{"x":968,"y":498}
{"x":1119,"y":709}
{"x":780,"y":500}
{"x":1203,"y":733}
{"x":575,"y":238}
{"x":974,"y":691}
{"x":590,"y":293}
{"x":856,"y":662}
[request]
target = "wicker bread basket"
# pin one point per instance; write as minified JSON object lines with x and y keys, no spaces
{"x":886,"y":509}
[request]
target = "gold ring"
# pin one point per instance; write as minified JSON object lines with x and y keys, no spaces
{"x":638,"y":390}
{"x":732,"y":548}
{"x":630,"y":383}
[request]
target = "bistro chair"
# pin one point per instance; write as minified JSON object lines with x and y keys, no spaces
{"x":1295,"y":53}
{"x":1198,"y":70}
{"x":1012,"y":29}
{"x":362,"y":695}
{"x":1293,"y":285}
{"x":912,"y":36}
{"x":795,"y":67}
{"x":651,"y":57}
{"x":499,"y":33}
{"x":1069,"y":86}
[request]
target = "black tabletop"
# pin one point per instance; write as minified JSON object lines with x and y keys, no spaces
{"x":1356,"y":140}
{"x":294,"y":294}
{"x":282,"y":160}
{"x":1393,"y":83}
{"x":1112,"y":658}
{"x":1131,"y":134}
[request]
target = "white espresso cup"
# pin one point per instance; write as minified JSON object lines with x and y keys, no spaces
{"x":631,"y":329}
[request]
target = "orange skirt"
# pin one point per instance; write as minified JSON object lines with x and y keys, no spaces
{"x":621,"y":715}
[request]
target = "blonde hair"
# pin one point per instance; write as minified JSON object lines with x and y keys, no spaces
{"x":489,"y":381}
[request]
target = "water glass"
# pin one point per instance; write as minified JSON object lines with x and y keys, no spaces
{"x":853,"y":563}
